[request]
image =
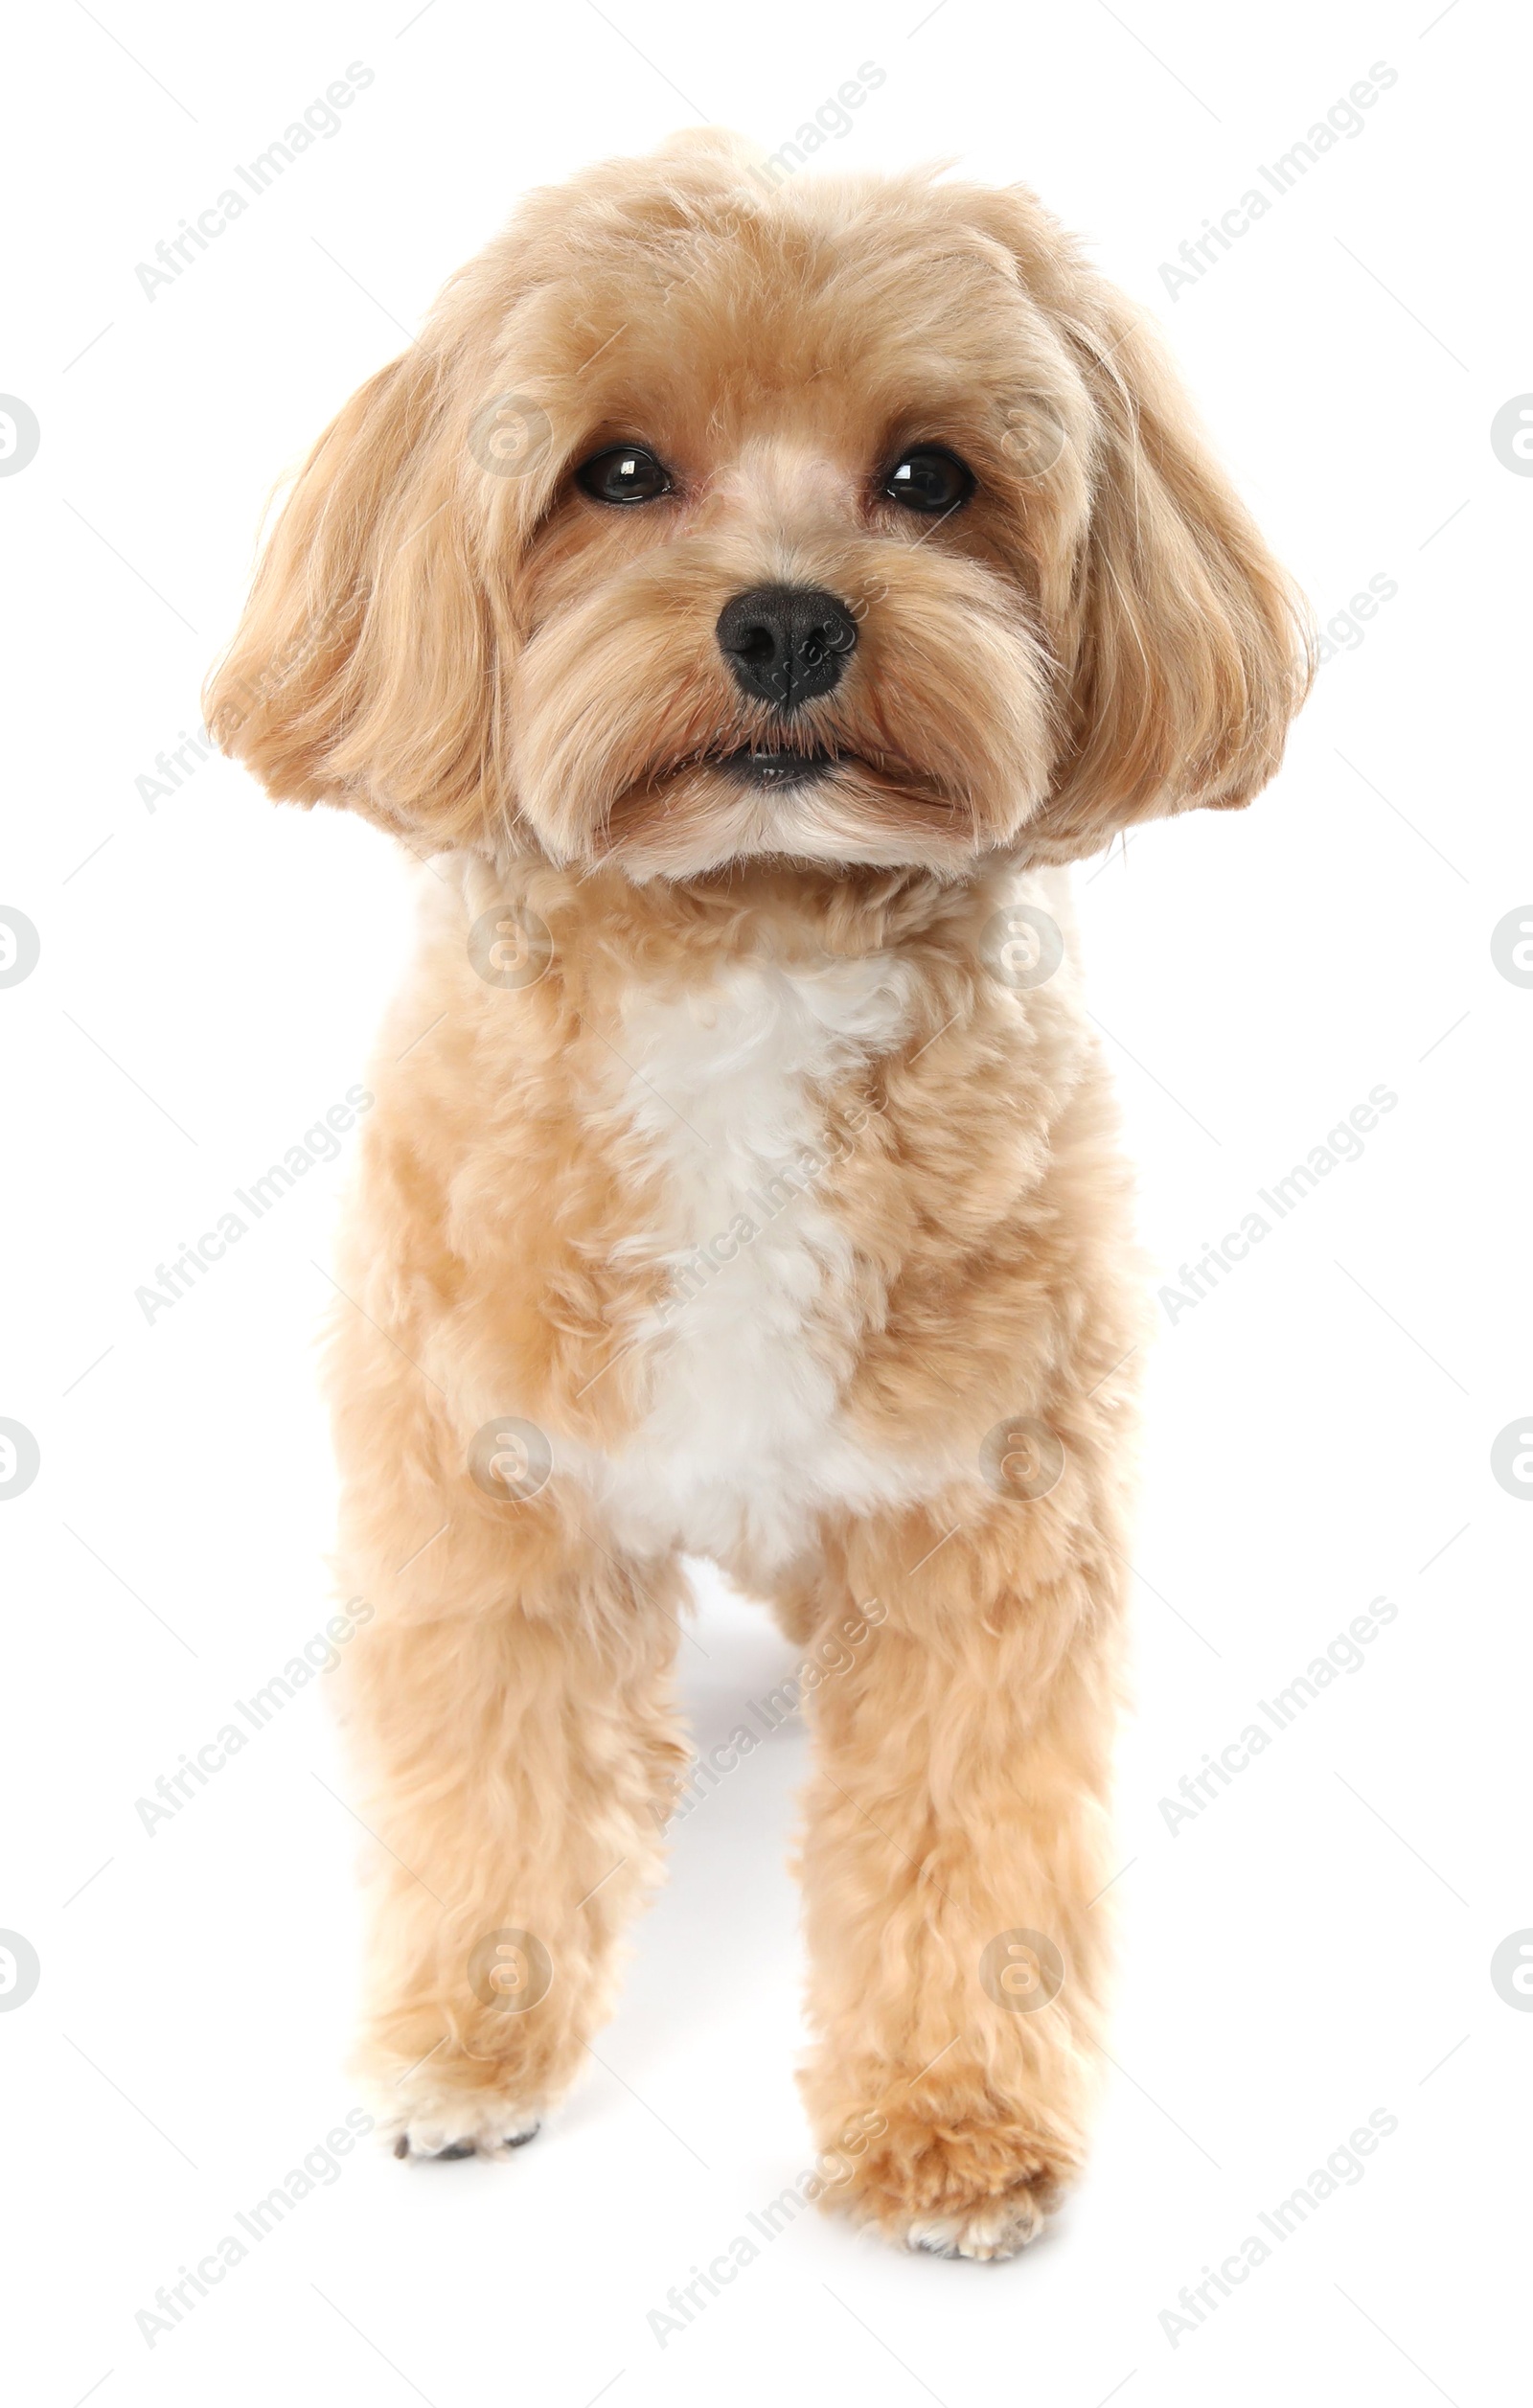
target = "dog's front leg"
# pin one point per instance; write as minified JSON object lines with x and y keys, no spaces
{"x":956,"y":1840}
{"x":516,"y":1751}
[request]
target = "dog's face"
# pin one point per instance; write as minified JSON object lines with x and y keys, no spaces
{"x":850,"y":522}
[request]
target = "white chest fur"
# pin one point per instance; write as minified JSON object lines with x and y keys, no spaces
{"x":743,"y":1437}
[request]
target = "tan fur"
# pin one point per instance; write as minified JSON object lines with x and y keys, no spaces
{"x":502,"y":671}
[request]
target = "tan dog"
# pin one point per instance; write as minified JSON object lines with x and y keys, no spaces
{"x":753,"y":597}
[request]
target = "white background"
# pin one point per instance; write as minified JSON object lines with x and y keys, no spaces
{"x":1317,"y":1944}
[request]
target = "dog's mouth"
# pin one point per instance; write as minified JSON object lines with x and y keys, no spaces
{"x":738,"y":794}
{"x":770,"y":771}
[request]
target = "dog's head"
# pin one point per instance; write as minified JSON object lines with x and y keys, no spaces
{"x":852,"y":521}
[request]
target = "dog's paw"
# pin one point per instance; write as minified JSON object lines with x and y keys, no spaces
{"x":997,"y":2228}
{"x":423,"y":2138}
{"x":444,"y":2122}
{"x":956,"y":2186}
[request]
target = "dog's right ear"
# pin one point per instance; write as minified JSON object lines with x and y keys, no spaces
{"x":365,"y":669}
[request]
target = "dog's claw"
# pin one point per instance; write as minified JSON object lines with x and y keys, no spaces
{"x":460,"y":2148}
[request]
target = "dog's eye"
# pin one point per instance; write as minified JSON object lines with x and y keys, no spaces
{"x":928,"y":481}
{"x":626,"y":473}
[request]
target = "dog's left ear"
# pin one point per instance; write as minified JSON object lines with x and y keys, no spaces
{"x":1185,"y":649}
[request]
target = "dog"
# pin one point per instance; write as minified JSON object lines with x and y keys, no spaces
{"x":747,"y":600}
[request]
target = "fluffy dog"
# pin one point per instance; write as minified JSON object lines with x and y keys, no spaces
{"x":752,"y":599}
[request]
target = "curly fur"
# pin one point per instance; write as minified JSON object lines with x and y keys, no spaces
{"x":768,"y":1027}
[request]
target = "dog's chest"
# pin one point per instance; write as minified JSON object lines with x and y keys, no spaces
{"x":745,"y":1362}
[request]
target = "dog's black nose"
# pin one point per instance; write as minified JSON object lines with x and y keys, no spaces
{"x":785,"y":643}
